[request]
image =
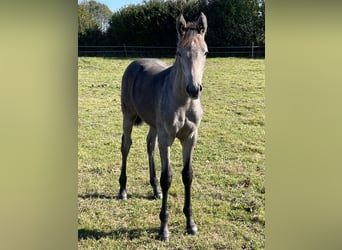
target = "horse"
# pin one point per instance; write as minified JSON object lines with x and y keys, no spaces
{"x":167,"y":98}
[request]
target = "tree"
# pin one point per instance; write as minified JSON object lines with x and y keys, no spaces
{"x":230,"y":22}
{"x":93,"y":21}
{"x":235,"y":22}
{"x":85,"y":20}
{"x":100,"y":13}
{"x":260,"y":26}
{"x":151,"y":23}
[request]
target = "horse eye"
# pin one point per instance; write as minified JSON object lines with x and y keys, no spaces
{"x":206,"y":53}
{"x":178,"y":53}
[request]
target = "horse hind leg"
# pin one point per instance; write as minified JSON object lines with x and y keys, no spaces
{"x":151,"y":146}
{"x":126,"y":142}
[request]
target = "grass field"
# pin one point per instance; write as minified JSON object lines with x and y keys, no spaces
{"x":228,"y":191}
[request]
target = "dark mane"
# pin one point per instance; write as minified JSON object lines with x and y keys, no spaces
{"x":191,"y":30}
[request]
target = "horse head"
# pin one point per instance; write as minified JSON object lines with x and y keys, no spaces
{"x":191,"y":52}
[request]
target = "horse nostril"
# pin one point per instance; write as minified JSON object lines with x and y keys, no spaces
{"x":187,"y":89}
{"x":194,"y":92}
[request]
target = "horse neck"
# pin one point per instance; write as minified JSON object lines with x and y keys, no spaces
{"x":179,"y":82}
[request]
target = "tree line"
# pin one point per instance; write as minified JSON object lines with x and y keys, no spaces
{"x":152,"y":23}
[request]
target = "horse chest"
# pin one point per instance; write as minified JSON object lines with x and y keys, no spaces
{"x":177,"y":120}
{"x":186,"y":124}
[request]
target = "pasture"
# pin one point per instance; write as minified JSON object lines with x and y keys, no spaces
{"x":228,"y":190}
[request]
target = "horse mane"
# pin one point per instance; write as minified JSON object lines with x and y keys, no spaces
{"x":191,"y":31}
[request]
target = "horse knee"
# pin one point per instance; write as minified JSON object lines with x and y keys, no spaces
{"x":165,"y":180}
{"x":187,"y":176}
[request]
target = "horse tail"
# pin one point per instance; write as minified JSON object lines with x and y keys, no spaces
{"x":138,"y":121}
{"x":127,"y":84}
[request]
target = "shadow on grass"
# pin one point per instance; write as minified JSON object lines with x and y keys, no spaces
{"x":111,"y":197}
{"x":120,"y":233}
{"x":96,"y":196}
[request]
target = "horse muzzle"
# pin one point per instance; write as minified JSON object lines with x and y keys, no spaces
{"x":194,"y":91}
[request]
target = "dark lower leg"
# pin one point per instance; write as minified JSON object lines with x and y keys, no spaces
{"x":123,"y":181}
{"x":165,"y":182}
{"x":151,"y":144}
{"x":154,"y":181}
{"x":187,"y":181}
{"x":125,"y":146}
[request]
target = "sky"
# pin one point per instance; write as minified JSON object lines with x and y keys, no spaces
{"x":115,"y":5}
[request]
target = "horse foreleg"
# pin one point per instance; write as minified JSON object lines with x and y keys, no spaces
{"x":151,"y":146}
{"x":165,"y":183}
{"x":187,"y":147}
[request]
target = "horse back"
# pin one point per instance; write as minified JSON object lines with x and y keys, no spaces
{"x":142,"y":83}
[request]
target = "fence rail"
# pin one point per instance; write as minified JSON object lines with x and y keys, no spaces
{"x":252,"y":51}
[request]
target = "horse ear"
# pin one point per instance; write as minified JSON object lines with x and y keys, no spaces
{"x":202,"y":24}
{"x":180,"y":26}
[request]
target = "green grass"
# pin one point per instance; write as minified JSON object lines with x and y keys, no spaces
{"x":229,"y":163}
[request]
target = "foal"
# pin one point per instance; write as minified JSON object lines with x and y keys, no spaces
{"x":168,"y":100}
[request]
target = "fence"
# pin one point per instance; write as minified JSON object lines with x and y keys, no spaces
{"x":252,"y":51}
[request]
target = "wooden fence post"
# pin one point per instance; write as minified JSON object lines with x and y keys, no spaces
{"x":125,"y":49}
{"x":252,"y":49}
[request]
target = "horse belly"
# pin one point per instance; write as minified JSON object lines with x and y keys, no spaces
{"x":145,"y":101}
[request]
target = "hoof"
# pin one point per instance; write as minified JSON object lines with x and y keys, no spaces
{"x":157,"y":196}
{"x":122,"y":195}
{"x":164,"y":235}
{"x":165,"y":238}
{"x":192,"y":229}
